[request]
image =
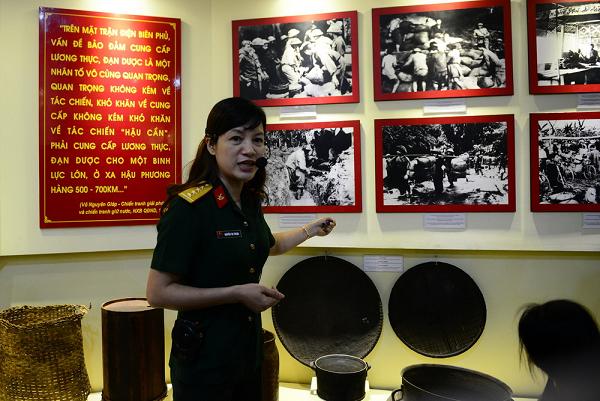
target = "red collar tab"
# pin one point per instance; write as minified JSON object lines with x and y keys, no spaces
{"x":220,"y":196}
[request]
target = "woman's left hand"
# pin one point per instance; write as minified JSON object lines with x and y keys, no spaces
{"x":320,"y":227}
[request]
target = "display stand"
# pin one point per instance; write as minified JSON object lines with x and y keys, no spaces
{"x":303,"y":392}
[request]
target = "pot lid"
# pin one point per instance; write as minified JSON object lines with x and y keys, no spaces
{"x":340,"y":363}
{"x":437,"y":310}
{"x":454,"y":383}
{"x":330,"y":307}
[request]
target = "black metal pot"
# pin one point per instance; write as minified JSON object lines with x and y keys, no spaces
{"x":340,"y":377}
{"x":449,"y":383}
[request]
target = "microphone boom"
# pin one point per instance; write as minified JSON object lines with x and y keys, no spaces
{"x":261,"y":162}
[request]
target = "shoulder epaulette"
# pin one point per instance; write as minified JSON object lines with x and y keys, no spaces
{"x":194,"y":193}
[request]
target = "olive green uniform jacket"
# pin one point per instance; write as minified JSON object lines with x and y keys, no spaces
{"x":205,"y":239}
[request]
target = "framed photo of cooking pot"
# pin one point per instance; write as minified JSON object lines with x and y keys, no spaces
{"x":313,"y":167}
{"x":563,"y":46}
{"x":442,"y":50}
{"x":448,"y":164}
{"x":297,"y":60}
{"x":565,"y":162}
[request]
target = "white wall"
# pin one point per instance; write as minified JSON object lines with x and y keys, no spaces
{"x":507,"y":282}
{"x":515,"y":258}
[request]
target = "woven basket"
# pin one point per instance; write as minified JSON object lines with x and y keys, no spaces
{"x":41,"y":354}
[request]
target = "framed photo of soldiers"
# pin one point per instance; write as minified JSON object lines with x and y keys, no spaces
{"x":297,"y":60}
{"x":447,"y":164}
{"x":564,"y":38}
{"x":313,"y":167}
{"x":565,"y":162}
{"x":442,"y":50}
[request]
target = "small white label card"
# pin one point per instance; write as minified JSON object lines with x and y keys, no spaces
{"x":309,"y":111}
{"x":437,"y":106}
{"x":383,"y":263}
{"x":445,"y":221}
{"x":588,"y":101}
{"x":295,"y":220}
{"x":591,"y":220}
{"x":313,"y":385}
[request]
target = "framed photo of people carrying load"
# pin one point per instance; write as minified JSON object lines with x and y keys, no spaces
{"x":445,"y":164}
{"x":313,"y":168}
{"x":564,"y":38}
{"x":442,"y":50}
{"x":297,"y":60}
{"x":565,"y":162}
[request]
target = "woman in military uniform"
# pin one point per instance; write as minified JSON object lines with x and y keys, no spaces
{"x":212,"y":244}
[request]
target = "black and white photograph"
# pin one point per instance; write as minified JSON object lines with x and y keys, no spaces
{"x":313,"y":167}
{"x":442,"y":50}
{"x":564,"y":38}
{"x":565,"y":162}
{"x":309,"y":59}
{"x":459,"y":164}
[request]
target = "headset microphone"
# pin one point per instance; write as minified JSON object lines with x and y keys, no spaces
{"x":261,"y":162}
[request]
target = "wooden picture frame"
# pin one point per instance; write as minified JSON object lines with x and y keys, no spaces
{"x":565,"y":162}
{"x":297,"y":60}
{"x":442,"y":50}
{"x":447,"y":164}
{"x":314,"y":167}
{"x":563,"y":46}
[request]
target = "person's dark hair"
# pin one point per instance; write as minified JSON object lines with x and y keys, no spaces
{"x":557,"y":335}
{"x":226,"y":114}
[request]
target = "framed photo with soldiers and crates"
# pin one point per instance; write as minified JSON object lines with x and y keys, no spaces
{"x":313,"y":168}
{"x":442,"y":50}
{"x":297,"y":60}
{"x":565,"y":162}
{"x":445,"y":164}
{"x":564,"y":38}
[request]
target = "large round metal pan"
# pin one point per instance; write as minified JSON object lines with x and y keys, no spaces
{"x":330,"y":307}
{"x":437,"y":310}
{"x":449,"y":383}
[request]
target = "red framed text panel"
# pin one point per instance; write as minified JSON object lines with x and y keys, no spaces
{"x":110,"y":117}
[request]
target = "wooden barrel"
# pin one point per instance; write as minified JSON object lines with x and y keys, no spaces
{"x":133,"y":351}
{"x":270,"y":368}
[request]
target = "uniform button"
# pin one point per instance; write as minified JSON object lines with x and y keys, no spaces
{"x":245,"y":224}
{"x":252,"y":246}
{"x":249,"y":318}
{"x":252,"y":270}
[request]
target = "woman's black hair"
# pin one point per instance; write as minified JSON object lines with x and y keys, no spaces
{"x":226,"y":114}
{"x":556,"y":335}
